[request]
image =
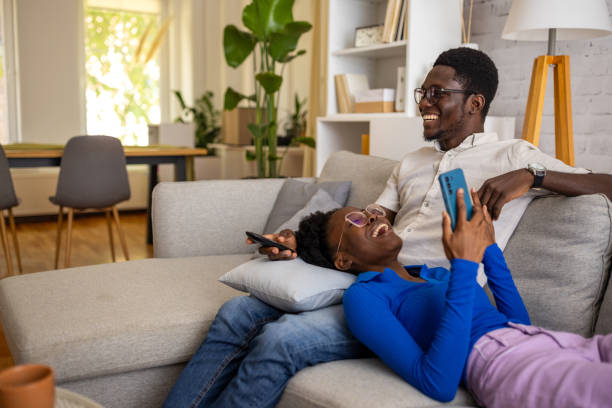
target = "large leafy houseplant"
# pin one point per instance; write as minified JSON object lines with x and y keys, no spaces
{"x":272,"y":41}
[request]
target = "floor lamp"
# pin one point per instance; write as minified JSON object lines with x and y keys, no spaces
{"x":552,"y":20}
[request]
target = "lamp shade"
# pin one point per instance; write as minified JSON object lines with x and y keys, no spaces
{"x":529,"y":20}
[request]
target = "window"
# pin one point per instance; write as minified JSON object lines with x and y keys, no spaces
{"x":9,"y":106}
{"x":3,"y":97}
{"x":122,"y":68}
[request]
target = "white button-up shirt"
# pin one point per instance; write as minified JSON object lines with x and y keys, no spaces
{"x":413,"y":191}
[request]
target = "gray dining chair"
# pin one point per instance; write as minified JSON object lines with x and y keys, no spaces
{"x":93,"y":175}
{"x":8,"y":200}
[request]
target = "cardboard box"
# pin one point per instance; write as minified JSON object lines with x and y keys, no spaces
{"x":234,"y":128}
{"x":375,"y":101}
{"x":374,"y":107}
{"x":172,"y":134}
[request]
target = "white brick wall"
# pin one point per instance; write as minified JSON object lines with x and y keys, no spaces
{"x":590,"y":77}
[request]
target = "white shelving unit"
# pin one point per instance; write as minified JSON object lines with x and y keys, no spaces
{"x":433,"y":26}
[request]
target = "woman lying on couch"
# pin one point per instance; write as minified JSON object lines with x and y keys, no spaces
{"x":437,"y":329}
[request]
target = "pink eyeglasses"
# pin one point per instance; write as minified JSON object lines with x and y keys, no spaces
{"x":360,"y":219}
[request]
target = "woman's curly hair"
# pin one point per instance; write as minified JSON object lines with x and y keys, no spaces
{"x":312,"y":239}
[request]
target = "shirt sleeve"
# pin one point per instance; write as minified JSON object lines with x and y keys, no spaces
{"x":525,"y":153}
{"x":507,"y":297}
{"x":389,"y":198}
{"x":437,"y":371}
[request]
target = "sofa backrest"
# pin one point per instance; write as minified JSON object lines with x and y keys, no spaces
{"x":209,"y":217}
{"x":368,"y":175}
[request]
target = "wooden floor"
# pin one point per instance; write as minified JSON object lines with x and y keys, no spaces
{"x":90,"y":246}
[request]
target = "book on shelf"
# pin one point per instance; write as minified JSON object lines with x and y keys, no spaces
{"x":341,"y":94}
{"x":401,"y":25}
{"x":392,"y":17}
{"x":347,"y":86}
{"x":400,"y":90}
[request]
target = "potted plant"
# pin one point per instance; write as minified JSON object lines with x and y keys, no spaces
{"x":271,"y":39}
{"x":204,"y":116}
{"x":295,"y":128}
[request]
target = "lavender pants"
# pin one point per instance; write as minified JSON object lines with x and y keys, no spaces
{"x":527,"y":366}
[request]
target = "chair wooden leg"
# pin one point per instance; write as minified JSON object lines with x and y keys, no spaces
{"x":121,"y":235}
{"x":14,"y":232}
{"x":110,"y":233}
{"x":58,"y":241}
{"x":5,"y":247}
{"x":68,"y":237}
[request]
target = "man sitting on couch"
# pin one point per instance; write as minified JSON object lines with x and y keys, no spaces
{"x":253,"y":349}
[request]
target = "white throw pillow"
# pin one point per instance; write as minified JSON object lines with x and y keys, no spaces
{"x":292,"y":286}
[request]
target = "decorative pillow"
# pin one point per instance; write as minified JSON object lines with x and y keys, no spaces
{"x":294,"y":195}
{"x":320,"y":201}
{"x":292,"y":286}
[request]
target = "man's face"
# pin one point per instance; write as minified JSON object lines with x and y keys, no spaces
{"x":443,"y":121}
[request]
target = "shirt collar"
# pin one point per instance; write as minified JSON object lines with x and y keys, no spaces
{"x":389,"y":275}
{"x":472,"y":140}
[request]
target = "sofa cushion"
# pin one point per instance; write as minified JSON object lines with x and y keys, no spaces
{"x":367,"y":185}
{"x":559,"y":256}
{"x":295,"y":194}
{"x":354,"y":384}
{"x":321,"y":201}
{"x":113,"y":318}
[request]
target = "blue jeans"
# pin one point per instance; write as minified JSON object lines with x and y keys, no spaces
{"x":252,"y":350}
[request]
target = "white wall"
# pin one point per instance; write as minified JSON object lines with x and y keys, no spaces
{"x":591,"y":82}
{"x":49,"y":35}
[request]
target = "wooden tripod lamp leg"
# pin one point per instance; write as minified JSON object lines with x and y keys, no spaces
{"x":564,"y":133}
{"x":535,"y":100}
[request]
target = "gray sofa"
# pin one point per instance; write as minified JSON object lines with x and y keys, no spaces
{"x":121,"y":333}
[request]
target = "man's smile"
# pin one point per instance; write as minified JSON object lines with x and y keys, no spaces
{"x":430,"y":116}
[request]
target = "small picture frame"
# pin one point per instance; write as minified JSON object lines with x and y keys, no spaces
{"x":369,"y":35}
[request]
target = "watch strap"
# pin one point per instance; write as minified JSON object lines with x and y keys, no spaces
{"x":537,"y":180}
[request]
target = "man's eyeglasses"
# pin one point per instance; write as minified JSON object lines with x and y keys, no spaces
{"x":434,"y":93}
{"x":360,"y":219}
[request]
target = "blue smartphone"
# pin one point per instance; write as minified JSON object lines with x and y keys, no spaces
{"x":450,"y":182}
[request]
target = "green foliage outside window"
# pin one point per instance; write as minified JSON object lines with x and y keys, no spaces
{"x":122,"y":73}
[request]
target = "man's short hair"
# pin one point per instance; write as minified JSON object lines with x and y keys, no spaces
{"x":475,"y":71}
{"x":312,"y":239}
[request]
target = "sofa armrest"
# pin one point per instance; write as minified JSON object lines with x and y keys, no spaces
{"x":560,"y":256}
{"x":209,"y":217}
{"x":604,"y":320}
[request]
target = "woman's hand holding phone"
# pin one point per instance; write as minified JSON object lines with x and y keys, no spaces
{"x":470,"y":238}
{"x":285,"y":237}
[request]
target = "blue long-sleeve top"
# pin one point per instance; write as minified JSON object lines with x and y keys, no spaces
{"x":425,"y":331}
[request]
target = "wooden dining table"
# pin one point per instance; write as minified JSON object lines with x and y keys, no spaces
{"x":22,"y":155}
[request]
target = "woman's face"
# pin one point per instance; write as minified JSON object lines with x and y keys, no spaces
{"x":373,"y":244}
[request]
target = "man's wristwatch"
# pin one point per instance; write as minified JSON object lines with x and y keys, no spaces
{"x":539,"y":171}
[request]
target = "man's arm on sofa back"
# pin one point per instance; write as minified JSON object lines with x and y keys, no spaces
{"x":209,"y":217}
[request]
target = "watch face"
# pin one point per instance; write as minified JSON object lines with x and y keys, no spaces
{"x":537,"y":166}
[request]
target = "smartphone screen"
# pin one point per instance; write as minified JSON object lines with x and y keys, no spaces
{"x":450,"y":182}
